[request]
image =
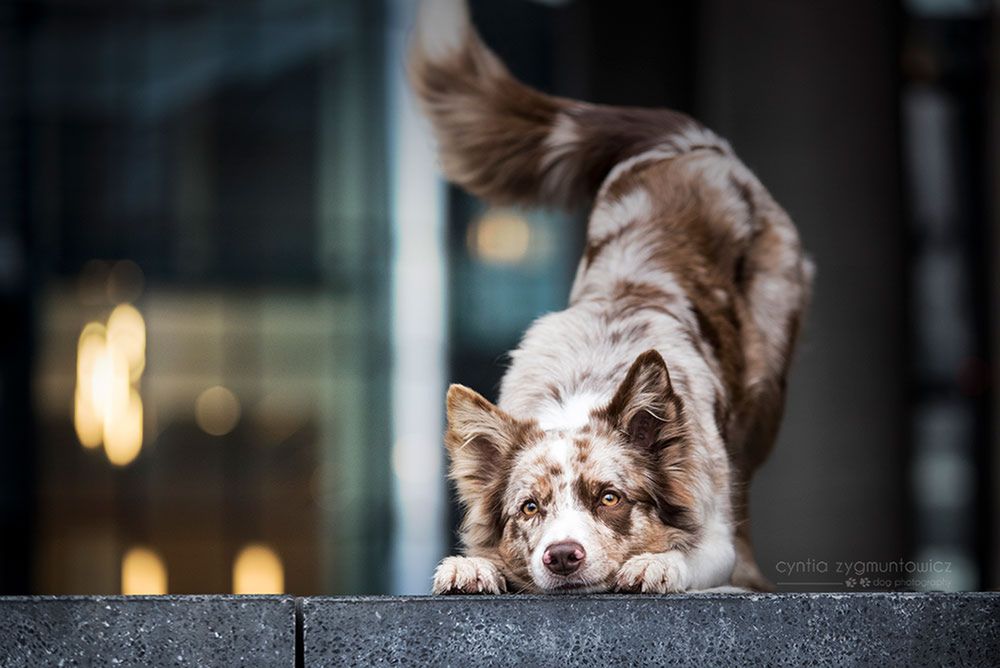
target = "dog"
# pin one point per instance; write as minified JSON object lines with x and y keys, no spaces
{"x":628,"y":425}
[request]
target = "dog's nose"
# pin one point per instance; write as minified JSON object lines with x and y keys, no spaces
{"x":564,"y":558}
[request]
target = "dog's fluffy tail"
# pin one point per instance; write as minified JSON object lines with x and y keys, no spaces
{"x":510,"y":144}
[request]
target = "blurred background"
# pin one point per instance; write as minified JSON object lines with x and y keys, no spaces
{"x":233,"y":288}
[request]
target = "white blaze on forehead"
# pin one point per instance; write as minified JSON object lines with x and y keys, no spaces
{"x":572,"y":413}
{"x":559,"y":452}
{"x":442,"y":27}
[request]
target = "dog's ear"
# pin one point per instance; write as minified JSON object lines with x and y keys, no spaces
{"x":480,"y":437}
{"x":645,"y":407}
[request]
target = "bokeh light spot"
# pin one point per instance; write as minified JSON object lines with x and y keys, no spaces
{"x":217,"y":411}
{"x":258,"y":570}
{"x":143,"y":572}
{"x":500,"y":236}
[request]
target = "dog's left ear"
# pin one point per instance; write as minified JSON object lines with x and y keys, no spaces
{"x":645,"y":407}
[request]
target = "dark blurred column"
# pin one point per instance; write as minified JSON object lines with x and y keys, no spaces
{"x":806,"y":92}
{"x":17,"y":476}
{"x":993,"y":113}
{"x":945,"y":71}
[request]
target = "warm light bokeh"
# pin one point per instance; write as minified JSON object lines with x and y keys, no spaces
{"x":123,"y":432}
{"x":258,"y":570}
{"x":107,"y":407}
{"x":127,"y":334}
{"x":143,"y":572}
{"x":87,"y":418}
{"x":500,"y":237}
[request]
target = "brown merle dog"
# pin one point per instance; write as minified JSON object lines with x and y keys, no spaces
{"x":629,"y":424}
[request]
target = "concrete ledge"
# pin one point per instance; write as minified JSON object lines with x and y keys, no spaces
{"x":703,"y":629}
{"x":147,"y":631}
{"x":696,"y":630}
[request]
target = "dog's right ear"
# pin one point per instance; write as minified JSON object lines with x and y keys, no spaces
{"x":480,"y":436}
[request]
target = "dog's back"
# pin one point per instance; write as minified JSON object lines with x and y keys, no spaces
{"x":680,"y":231}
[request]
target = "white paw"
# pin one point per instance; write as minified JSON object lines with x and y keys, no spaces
{"x":653,"y":573}
{"x":468,"y":575}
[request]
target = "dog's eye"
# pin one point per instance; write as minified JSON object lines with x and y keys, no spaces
{"x":529,"y":508}
{"x":610,"y":499}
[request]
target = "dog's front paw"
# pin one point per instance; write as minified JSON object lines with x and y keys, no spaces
{"x":653,"y":573}
{"x":468,"y":575}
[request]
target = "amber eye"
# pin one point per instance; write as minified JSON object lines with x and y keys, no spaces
{"x":610,"y":499}
{"x":529,"y":508}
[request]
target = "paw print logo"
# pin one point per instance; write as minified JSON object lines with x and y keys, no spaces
{"x":851,"y":583}
{"x":865,"y":582}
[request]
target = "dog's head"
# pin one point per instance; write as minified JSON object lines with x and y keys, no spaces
{"x":565,"y":509}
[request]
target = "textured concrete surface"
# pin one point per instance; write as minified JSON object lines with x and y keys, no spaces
{"x":147,"y":631}
{"x":696,"y":630}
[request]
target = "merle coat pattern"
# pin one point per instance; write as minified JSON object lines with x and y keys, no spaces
{"x":619,"y":454}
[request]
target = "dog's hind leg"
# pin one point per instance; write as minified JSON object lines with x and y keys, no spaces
{"x":775,"y":278}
